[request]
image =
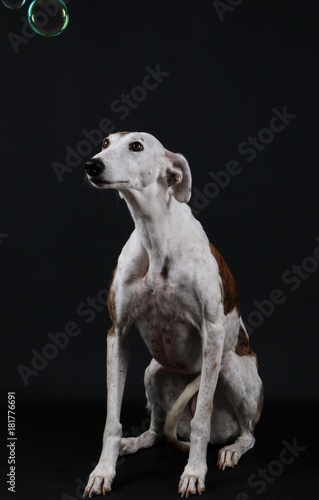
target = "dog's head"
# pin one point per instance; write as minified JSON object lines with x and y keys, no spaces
{"x":134,"y":161}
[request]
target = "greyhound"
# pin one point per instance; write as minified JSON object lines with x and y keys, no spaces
{"x":173,"y":285}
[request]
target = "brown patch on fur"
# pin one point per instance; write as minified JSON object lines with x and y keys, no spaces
{"x":178,"y":445}
{"x":243,"y":347}
{"x":231,"y":301}
{"x":123,"y":133}
{"x":229,"y":291}
{"x":111,"y":306}
{"x":209,"y":407}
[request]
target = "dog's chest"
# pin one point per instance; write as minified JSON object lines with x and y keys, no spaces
{"x":168,"y":322}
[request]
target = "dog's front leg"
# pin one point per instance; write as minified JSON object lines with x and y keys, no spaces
{"x":192,"y":481}
{"x":101,"y":478}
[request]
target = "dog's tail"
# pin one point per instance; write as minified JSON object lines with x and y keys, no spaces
{"x":172,"y":417}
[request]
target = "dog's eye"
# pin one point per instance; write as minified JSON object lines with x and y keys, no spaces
{"x":136,"y":146}
{"x":105,"y":143}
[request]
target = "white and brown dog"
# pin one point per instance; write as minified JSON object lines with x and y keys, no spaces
{"x":175,"y":287}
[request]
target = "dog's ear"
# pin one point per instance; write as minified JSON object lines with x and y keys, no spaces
{"x":178,"y":176}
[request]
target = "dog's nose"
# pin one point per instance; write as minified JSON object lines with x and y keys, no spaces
{"x":94,"y":167}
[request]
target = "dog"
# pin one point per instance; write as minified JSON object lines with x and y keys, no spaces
{"x":173,"y":285}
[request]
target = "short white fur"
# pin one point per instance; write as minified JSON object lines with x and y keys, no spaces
{"x":168,"y":284}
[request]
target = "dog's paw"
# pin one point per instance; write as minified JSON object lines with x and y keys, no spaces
{"x":192,"y":481}
{"x":133,"y":444}
{"x":99,"y":482}
{"x":128,"y":446}
{"x":228,"y":457}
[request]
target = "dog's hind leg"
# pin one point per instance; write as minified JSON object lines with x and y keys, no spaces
{"x":243,"y":389}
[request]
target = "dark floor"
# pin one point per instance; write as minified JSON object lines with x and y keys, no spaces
{"x":57,"y":445}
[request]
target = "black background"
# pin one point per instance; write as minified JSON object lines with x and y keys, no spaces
{"x":59,"y":239}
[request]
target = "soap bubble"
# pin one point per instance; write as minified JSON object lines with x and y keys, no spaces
{"x":13,"y":4}
{"x":48,"y":17}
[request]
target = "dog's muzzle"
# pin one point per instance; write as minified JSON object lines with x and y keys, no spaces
{"x":94,"y":167}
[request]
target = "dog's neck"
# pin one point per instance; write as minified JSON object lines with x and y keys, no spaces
{"x":159,"y":219}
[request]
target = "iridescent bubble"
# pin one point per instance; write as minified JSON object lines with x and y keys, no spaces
{"x":48,"y":17}
{"x":13,"y":4}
